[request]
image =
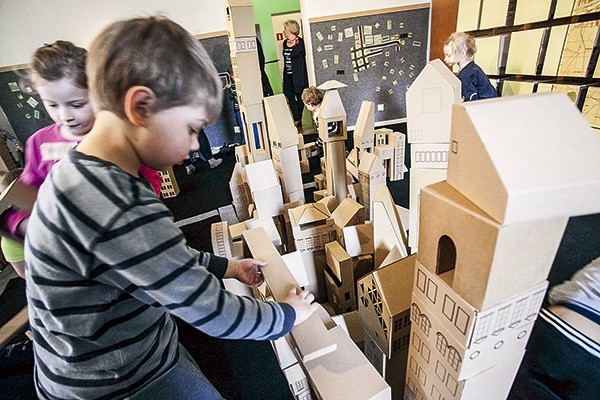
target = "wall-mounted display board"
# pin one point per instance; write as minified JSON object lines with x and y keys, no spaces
{"x":377,"y":54}
{"x":22,"y":106}
{"x":552,"y":46}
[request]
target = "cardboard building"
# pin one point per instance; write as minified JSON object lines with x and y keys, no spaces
{"x":247,"y":76}
{"x":371,"y":175}
{"x":333,"y":131}
{"x":312,"y":227}
{"x":384,"y":298}
{"x":429,"y":101}
{"x":484,"y":255}
{"x":240,"y":192}
{"x":388,"y":228}
{"x":265,"y":188}
{"x":283,"y":137}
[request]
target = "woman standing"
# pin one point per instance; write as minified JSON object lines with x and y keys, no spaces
{"x":295,"y":78}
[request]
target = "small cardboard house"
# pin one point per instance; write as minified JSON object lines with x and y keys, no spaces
{"x":240,"y":192}
{"x":364,"y":130}
{"x":384,"y":301}
{"x":348,"y":213}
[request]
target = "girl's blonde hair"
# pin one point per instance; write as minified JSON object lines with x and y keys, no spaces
{"x":460,"y":40}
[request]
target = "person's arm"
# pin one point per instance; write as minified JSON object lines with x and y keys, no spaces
{"x":15,"y":220}
{"x":153,"y":263}
{"x":577,"y":300}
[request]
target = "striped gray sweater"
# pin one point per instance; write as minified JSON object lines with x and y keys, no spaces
{"x":106,"y":267}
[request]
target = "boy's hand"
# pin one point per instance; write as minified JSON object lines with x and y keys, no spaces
{"x":303,"y":304}
{"x":246,"y":270}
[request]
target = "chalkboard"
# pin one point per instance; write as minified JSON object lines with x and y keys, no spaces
{"x":26,"y":113}
{"x":377,"y":55}
{"x":23,"y":107}
{"x":217,"y":48}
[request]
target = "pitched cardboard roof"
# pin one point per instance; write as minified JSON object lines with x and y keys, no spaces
{"x":370,"y":164}
{"x":527,"y":157}
{"x":310,"y":213}
{"x":396,"y":282}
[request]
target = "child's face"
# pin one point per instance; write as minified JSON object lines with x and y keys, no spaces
{"x":311,"y":107}
{"x":171,"y":135}
{"x":451,"y":57}
{"x":68,"y":105}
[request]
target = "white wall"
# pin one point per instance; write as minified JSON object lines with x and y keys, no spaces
{"x":324,"y":8}
{"x":27,"y":24}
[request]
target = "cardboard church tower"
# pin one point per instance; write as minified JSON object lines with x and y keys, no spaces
{"x":488,"y":236}
{"x":333,"y":132}
{"x":246,"y":73}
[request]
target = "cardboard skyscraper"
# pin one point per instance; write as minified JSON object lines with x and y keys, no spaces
{"x":246,"y":73}
{"x":484,"y":255}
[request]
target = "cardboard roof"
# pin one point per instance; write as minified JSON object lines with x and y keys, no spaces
{"x":346,"y":211}
{"x":521,"y":158}
{"x":370,"y":164}
{"x":395,"y":282}
{"x":436,"y":73}
{"x":310,"y":213}
{"x":331,"y":106}
{"x":331,"y":84}
{"x":280,"y":122}
{"x":364,"y":129}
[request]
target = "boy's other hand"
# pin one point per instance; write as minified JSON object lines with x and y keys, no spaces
{"x":303,"y":304}
{"x":247,"y":271}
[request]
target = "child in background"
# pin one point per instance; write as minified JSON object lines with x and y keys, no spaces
{"x":204,"y":153}
{"x":106,"y":265}
{"x":312,"y":99}
{"x":58,"y":75}
{"x":460,"y":48}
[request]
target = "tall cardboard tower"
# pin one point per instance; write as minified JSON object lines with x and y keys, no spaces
{"x":246,"y":73}
{"x":333,"y":131}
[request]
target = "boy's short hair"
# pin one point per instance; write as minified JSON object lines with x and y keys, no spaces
{"x":312,"y":96}
{"x":458,"y":40}
{"x":293,"y":26}
{"x":61,"y":59}
{"x":157,"y":53}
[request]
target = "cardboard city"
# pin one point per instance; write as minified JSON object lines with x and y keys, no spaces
{"x":437,"y":301}
{"x":433,"y":302}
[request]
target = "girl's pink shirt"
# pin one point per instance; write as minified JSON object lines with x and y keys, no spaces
{"x":44,"y":149}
